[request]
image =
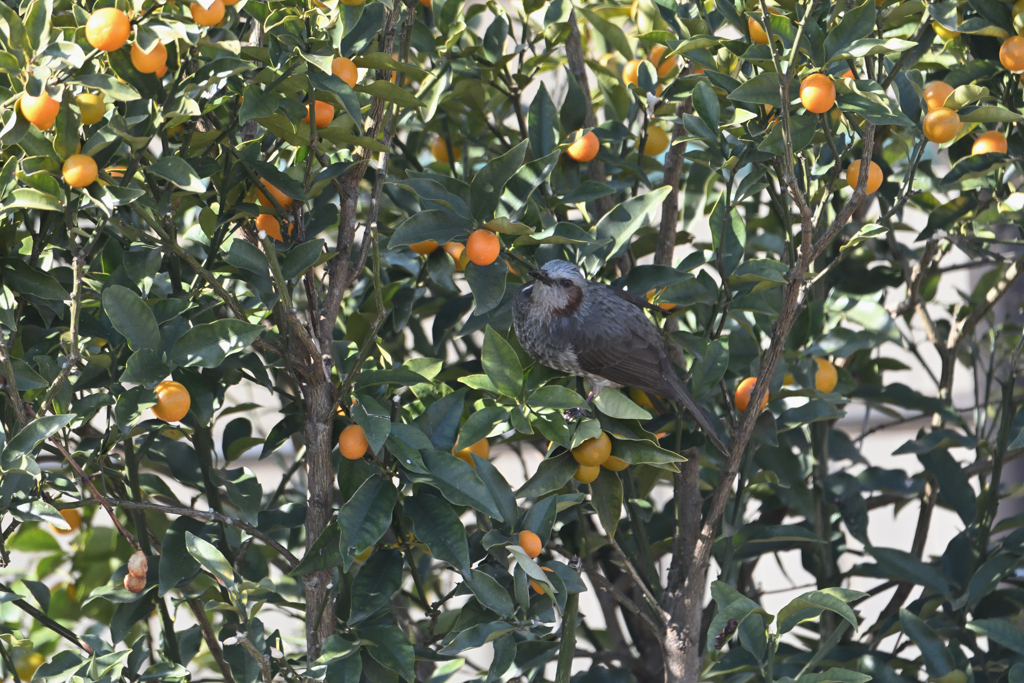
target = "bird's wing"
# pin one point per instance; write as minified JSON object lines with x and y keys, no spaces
{"x":617,"y":342}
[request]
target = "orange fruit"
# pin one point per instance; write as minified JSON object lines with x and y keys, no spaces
{"x":483,"y":247}
{"x":630,"y":71}
{"x":80,"y":170}
{"x":757,"y":32}
{"x":530,"y":542}
{"x":1011,"y":53}
{"x":614,"y":464}
{"x":74,"y":519}
{"x":92,"y":106}
{"x":458,"y":253}
{"x":270,"y":225}
{"x":817,"y":93}
{"x":40,"y":111}
{"x":788,"y":380}
{"x":586,"y":474}
{"x":149,"y":62}
{"x":424,"y":248}
{"x":825,"y":378}
{"x":743,"y":393}
{"x":427,"y":3}
{"x":161,"y":72}
{"x":641,"y":398}
{"x":108,"y":29}
{"x":284,"y":200}
{"x":352,"y":442}
{"x":536,"y":586}
{"x":1018,"y":7}
{"x":345,"y":69}
{"x":324,"y":114}
{"x":664,"y":69}
{"x":989,"y":141}
{"x":440,"y":150}
{"x":481,"y":448}
{"x":874,"y":176}
{"x":207,"y":17}
{"x":172,"y":401}
{"x":584,"y":148}
{"x":657,"y":141}
{"x":848,"y":74}
{"x":943,"y":32}
{"x":935,"y":94}
{"x":941,"y":125}
{"x":593,"y":452}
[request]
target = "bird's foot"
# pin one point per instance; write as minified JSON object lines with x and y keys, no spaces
{"x":574,"y":414}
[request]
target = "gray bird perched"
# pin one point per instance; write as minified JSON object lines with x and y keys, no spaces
{"x":598,"y":332}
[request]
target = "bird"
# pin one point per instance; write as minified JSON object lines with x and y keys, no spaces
{"x":598,"y":332}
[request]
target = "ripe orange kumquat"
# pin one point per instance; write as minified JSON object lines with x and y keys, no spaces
{"x":457,"y":251}
{"x":92,"y":106}
{"x":1011,"y":53}
{"x":935,"y":94}
{"x":80,"y":170}
{"x":40,"y":111}
{"x":584,"y":148}
{"x":656,"y":55}
{"x":172,"y":401}
{"x":424,"y":248}
{"x":440,"y":150}
{"x":874,"y":176}
{"x":630,"y":72}
{"x":74,"y":519}
{"x":149,"y":62}
{"x":593,"y":452}
{"x":757,"y":32}
{"x":108,"y":29}
{"x":826,"y":377}
{"x":586,"y":474}
{"x":284,"y":200}
{"x":345,"y":69}
{"x":207,"y":16}
{"x":817,"y":93}
{"x":536,"y":586}
{"x":743,"y":393}
{"x":483,"y":247}
{"x":324,"y":114}
{"x":352,"y":442}
{"x":657,"y":140}
{"x":271,"y":225}
{"x":990,"y":141}
{"x":614,"y":464}
{"x":481,"y":448}
{"x":941,"y":125}
{"x":530,"y":543}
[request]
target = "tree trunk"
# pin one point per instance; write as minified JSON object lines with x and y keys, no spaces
{"x":319,"y":500}
{"x":684,"y":599}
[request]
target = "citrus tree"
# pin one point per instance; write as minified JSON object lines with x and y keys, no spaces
{"x":201,"y":202}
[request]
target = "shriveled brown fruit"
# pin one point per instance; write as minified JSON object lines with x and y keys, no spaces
{"x":138,"y":565}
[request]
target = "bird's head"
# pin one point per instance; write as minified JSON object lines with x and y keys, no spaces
{"x":559,"y":287}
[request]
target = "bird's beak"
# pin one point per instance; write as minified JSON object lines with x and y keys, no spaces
{"x":539,"y":275}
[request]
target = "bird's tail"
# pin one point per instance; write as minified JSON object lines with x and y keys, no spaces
{"x":711,"y":426}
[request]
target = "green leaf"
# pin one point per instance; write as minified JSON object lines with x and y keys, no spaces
{"x":340,"y":89}
{"x":26,"y":442}
{"x":551,"y":475}
{"x":480,"y":424}
{"x":300,"y":257}
{"x":490,"y":593}
{"x":390,"y":92}
{"x":487,"y":284}
{"x":433,"y":224}
{"x":475,"y":636}
{"x":868,"y":231}
{"x":208,"y":344}
{"x":28,"y":198}
{"x":620,"y":224}
{"x":811,"y":605}
{"x":391,"y":649}
{"x":458,"y":482}
{"x":24,"y":279}
{"x":366,"y":516}
{"x":145,"y":367}
{"x":761,"y":89}
{"x":613,"y":35}
{"x":873,"y":46}
{"x":130,"y":316}
{"x":729,"y":234}
{"x":108,"y":85}
{"x":243,"y":491}
{"x":857,"y":23}
{"x":937,"y":657}
{"x":1001,"y":631}
{"x":374,"y":419}
{"x":705,"y":103}
{"x":542,"y":122}
{"x":501,"y":364}
{"x":607,"y":499}
{"x":645,"y":453}
{"x":177,"y":566}
{"x":614,"y":403}
{"x":326,"y":552}
{"x":437,"y":525}
{"x":556,"y":397}
{"x":499,"y":488}
{"x":905,"y":567}
{"x":210,"y":558}
{"x":706,"y":372}
{"x":989,"y":114}
{"x":489,"y":182}
{"x":379,"y":579}
{"x":177,"y":170}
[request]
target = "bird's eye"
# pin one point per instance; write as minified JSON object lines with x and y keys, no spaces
{"x":564,"y":282}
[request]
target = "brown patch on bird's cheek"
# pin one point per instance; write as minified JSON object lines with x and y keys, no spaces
{"x":575,"y":299}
